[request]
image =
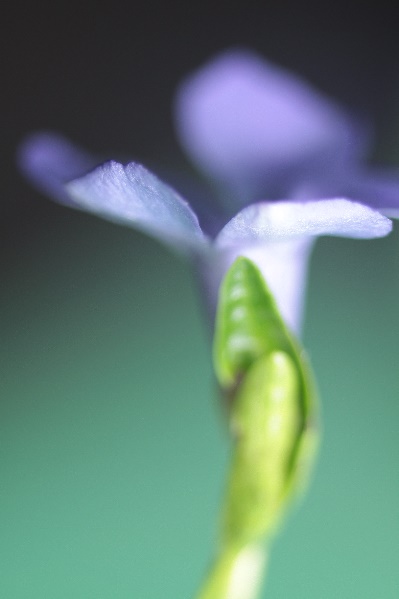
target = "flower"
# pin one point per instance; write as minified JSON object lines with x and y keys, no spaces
{"x":285,"y":160}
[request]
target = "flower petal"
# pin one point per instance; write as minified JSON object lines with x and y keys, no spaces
{"x":377,"y":188}
{"x":128,"y":194}
{"x":241,"y":118}
{"x":278,"y":237}
{"x":279,"y":221}
{"x":49,"y":161}
{"x":133,"y":196}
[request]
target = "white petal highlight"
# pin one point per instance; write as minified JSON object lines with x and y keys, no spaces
{"x":133,"y":196}
{"x":279,"y":221}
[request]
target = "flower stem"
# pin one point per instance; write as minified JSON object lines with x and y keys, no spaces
{"x":236,"y":574}
{"x":263,"y":371}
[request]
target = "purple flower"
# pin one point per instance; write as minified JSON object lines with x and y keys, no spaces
{"x":284,"y":160}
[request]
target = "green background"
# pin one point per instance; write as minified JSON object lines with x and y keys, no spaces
{"x":113,"y":447}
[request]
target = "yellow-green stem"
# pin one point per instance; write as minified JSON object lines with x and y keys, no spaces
{"x":237,"y":573}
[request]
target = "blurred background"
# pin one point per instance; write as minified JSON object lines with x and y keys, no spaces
{"x":112,"y":445}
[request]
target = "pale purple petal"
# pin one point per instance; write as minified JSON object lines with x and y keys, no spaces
{"x":133,"y":196}
{"x":50,"y":160}
{"x":278,"y":237}
{"x":377,"y":188}
{"x":242,"y":119}
{"x":280,"y":221}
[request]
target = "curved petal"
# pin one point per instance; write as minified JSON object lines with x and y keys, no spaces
{"x":49,"y":161}
{"x":128,"y":194}
{"x":280,"y":221}
{"x":133,"y":196}
{"x":278,"y":237}
{"x":241,"y":118}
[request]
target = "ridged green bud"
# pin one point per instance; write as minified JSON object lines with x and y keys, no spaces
{"x":257,"y":359}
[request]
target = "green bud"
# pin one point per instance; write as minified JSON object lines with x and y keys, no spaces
{"x":257,"y":359}
{"x":248,"y":324}
{"x":263,"y":370}
{"x":266,"y":422}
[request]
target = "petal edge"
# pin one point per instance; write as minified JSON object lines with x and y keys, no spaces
{"x":133,"y":196}
{"x":284,"y":220}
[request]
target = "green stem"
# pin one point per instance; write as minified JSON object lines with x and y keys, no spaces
{"x":236,"y":574}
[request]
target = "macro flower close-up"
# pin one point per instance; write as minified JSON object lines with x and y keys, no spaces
{"x":284,"y":161}
{"x":275,"y":165}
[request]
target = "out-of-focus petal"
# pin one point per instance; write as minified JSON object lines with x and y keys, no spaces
{"x":50,"y":160}
{"x":133,"y":196}
{"x":377,"y":188}
{"x":280,"y":221}
{"x":241,"y":118}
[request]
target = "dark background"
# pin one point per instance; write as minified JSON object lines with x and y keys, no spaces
{"x":112,"y":451}
{"x":104,"y":74}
